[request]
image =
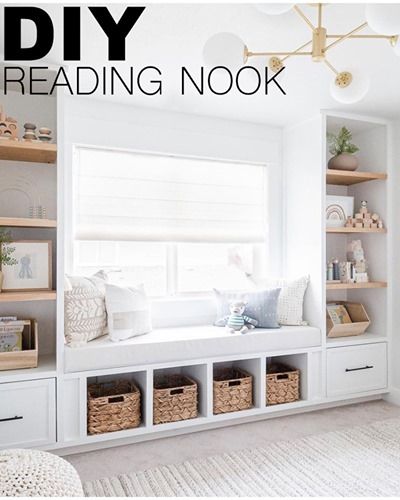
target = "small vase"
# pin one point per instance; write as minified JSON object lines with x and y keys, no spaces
{"x":1,"y":280}
{"x":344,"y":161}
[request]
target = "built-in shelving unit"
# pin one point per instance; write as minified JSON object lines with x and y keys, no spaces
{"x":344,"y":178}
{"x":27,"y":222}
{"x":28,"y":296}
{"x":369,"y":183}
{"x":30,"y":151}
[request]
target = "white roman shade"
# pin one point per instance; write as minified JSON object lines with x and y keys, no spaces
{"x":142,"y":197}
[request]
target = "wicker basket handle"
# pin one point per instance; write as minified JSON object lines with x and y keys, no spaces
{"x":116,"y":399}
{"x":172,"y":392}
{"x":231,"y":383}
{"x":282,"y":376}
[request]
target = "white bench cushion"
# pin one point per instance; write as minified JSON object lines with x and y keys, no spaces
{"x":186,"y":343}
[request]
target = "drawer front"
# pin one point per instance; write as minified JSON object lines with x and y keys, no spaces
{"x":27,"y":413}
{"x":356,"y":369}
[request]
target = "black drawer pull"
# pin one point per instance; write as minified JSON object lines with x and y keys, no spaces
{"x":9,"y":419}
{"x":367,"y":367}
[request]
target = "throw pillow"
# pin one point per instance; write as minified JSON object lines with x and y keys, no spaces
{"x":128,"y":310}
{"x":290,"y":304}
{"x":85,"y":315}
{"x":261,"y":305}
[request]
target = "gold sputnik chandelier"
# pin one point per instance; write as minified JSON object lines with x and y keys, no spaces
{"x":347,"y":87}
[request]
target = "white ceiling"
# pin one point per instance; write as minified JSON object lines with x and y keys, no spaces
{"x":170,"y":36}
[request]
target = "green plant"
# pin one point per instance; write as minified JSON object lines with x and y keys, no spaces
{"x":340,"y":143}
{"x":6,"y":251}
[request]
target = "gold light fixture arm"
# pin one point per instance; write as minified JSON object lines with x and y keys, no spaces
{"x":297,"y":50}
{"x":304,"y":17}
{"x":320,"y":15}
{"x":331,"y":67}
{"x":346,"y":36}
{"x":287,"y":54}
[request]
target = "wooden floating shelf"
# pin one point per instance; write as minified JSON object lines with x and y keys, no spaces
{"x":35,"y":151}
{"x":344,"y":178}
{"x":28,"y":296}
{"x":344,"y":230}
{"x":26,"y":222}
{"x":355,"y":286}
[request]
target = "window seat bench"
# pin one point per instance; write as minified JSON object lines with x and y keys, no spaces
{"x":185,"y":343}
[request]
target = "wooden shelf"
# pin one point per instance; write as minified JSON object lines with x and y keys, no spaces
{"x":355,"y":286}
{"x":37,"y":152}
{"x":27,"y":296}
{"x":26,"y":222}
{"x":344,"y":178}
{"x":344,"y":230}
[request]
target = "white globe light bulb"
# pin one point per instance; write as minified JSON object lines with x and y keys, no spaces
{"x":224,"y":49}
{"x":383,"y":18}
{"x":350,"y":86}
{"x":273,"y":9}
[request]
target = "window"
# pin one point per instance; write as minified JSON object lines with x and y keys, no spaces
{"x":179,"y":225}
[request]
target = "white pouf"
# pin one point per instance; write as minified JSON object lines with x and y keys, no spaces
{"x":29,"y":473}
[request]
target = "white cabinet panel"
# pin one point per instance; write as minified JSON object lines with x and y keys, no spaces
{"x":27,"y":414}
{"x":356,"y":369}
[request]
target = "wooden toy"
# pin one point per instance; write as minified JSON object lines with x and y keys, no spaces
{"x":29,"y":134}
{"x":363,"y":219}
{"x":8,"y":126}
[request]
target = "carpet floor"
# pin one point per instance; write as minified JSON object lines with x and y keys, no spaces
{"x":359,"y":461}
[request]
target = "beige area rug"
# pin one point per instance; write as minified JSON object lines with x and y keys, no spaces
{"x":360,"y":461}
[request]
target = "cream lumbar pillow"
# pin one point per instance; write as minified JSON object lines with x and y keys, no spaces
{"x":128,"y":311}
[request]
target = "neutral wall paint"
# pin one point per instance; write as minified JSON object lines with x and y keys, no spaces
{"x":102,"y":123}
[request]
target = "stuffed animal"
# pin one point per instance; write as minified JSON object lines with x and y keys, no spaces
{"x":237,"y":321}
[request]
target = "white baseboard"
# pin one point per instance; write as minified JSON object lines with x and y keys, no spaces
{"x":393,"y":396}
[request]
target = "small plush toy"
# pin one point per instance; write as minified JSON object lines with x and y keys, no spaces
{"x":237,"y":321}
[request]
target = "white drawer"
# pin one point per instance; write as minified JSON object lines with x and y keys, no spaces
{"x":356,"y":369}
{"x":27,"y":413}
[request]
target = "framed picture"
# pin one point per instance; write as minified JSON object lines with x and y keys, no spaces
{"x":33,"y":268}
{"x":338,"y":208}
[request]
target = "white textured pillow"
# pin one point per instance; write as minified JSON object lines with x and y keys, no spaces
{"x":128,"y":311}
{"x":85,"y":316}
{"x":291,"y":298}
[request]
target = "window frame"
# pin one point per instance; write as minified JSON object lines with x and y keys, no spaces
{"x":272,"y":177}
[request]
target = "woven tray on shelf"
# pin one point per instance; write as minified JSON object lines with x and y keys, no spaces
{"x":174,"y":399}
{"x":283,"y":384}
{"x":232,"y":390}
{"x":113,"y":406}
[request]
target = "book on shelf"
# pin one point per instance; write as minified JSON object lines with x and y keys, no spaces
{"x":338,"y":314}
{"x":15,"y":334}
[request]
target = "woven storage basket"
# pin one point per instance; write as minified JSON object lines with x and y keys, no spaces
{"x":283,"y":384}
{"x":233,"y":390}
{"x":113,"y":406}
{"x":174,"y":399}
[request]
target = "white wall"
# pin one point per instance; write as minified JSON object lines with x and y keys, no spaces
{"x":303,"y":146}
{"x":103,"y":123}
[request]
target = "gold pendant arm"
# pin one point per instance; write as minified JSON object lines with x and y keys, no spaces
{"x":304,"y":17}
{"x":346,"y":36}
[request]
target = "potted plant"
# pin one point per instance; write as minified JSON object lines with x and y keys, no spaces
{"x":6,"y":252}
{"x":342,"y":150}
